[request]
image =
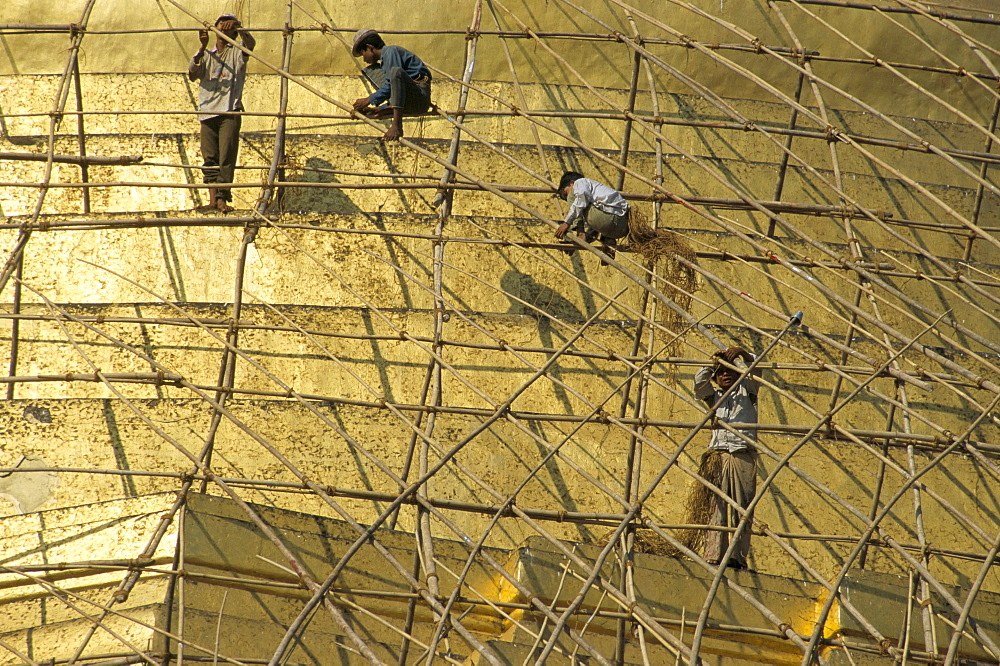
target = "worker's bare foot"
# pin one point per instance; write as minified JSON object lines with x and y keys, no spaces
{"x":393,"y":133}
{"x":207,"y":208}
{"x":223,"y":206}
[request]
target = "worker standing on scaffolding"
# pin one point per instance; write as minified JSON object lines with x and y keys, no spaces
{"x":398,"y":76}
{"x":595,"y":210}
{"x":221,"y":73}
{"x":731,"y":460}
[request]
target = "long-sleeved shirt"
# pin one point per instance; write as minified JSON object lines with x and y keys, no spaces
{"x":587,"y":192}
{"x":222,"y":75}
{"x":740,"y":406}
{"x":397,"y":56}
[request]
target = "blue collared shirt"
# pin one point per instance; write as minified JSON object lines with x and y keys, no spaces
{"x":397,"y":56}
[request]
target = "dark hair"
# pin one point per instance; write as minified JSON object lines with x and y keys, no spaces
{"x":569,"y":178}
{"x":374,"y":40}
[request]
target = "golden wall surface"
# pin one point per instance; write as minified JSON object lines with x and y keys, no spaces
{"x":382,"y":335}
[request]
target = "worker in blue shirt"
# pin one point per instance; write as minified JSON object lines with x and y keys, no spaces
{"x":399,"y":76}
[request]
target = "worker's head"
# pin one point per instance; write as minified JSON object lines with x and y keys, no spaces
{"x":566,"y":183}
{"x":368,"y":45}
{"x":228,"y":24}
{"x":724,"y":376}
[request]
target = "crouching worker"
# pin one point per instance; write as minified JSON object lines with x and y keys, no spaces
{"x":399,"y":77}
{"x":221,"y":74}
{"x":731,"y":461}
{"x":595,"y":210}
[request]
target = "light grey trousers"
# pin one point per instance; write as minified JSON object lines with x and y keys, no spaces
{"x":609,"y":226}
{"x":739,"y":481}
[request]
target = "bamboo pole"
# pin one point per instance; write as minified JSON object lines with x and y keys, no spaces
{"x":81,"y":160}
{"x":15,"y":327}
{"x":847,"y":4}
{"x":438,"y":342}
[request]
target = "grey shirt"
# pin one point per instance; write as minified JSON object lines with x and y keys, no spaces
{"x":740,"y":406}
{"x":222,"y":75}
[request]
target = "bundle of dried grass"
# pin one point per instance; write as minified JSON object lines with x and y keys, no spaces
{"x":655,"y":244}
{"x":663,"y":248}
{"x":701,"y":501}
{"x":699,"y":507}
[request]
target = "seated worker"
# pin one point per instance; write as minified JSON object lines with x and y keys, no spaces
{"x":595,"y":206}
{"x":399,"y":76}
{"x":731,"y":460}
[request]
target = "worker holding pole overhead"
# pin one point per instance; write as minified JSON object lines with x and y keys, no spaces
{"x":730,"y":463}
{"x":221,"y":73}
{"x":731,"y":460}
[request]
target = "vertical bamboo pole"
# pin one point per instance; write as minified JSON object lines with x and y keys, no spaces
{"x":227,"y":366}
{"x":879,"y":480}
{"x":270,"y":192}
{"x":445,"y":200}
{"x":632,"y":461}
{"x":980,"y":190}
{"x":783,"y":164}
{"x":15,"y":328}
{"x":81,"y":136}
{"x":926,"y":609}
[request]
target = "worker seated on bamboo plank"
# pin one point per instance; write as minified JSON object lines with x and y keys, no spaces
{"x":731,"y":460}
{"x":221,"y":74}
{"x":398,"y":75}
{"x":595,"y":210}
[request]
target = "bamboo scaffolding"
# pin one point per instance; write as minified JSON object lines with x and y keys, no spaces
{"x":861,"y":293}
{"x":897,"y":468}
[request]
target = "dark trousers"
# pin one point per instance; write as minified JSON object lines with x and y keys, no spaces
{"x":220,"y":141}
{"x":407,"y":94}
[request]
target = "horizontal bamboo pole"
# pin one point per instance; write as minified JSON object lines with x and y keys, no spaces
{"x":930,"y":442}
{"x":777,"y":130}
{"x":71,"y":159}
{"x":550,"y":515}
{"x":40,"y":27}
{"x":158,"y":378}
{"x":776,"y":207}
{"x":794,"y":52}
{"x":250,"y":325}
{"x":465,"y":34}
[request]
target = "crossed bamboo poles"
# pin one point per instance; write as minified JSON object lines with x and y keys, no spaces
{"x":438,"y":362}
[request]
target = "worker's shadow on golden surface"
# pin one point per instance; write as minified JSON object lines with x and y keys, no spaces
{"x":314,"y":173}
{"x":540,"y":301}
{"x":528,"y":297}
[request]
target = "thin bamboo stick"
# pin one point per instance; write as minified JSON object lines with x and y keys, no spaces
{"x":82,"y":160}
{"x":15,"y":328}
{"x":847,"y":4}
